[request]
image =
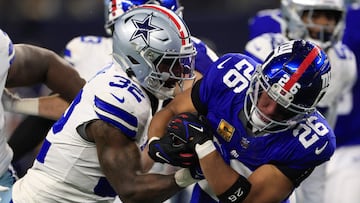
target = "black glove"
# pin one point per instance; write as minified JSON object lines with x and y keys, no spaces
{"x":190,"y":129}
{"x":196,"y":172}
{"x":177,"y":146}
{"x":165,"y":150}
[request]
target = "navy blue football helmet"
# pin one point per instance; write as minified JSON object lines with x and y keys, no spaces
{"x":115,"y":8}
{"x":295,"y":75}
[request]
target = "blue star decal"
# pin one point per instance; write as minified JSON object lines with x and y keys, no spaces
{"x":144,"y":28}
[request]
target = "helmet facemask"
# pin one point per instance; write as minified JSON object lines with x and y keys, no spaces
{"x":290,"y":114}
{"x":295,"y":11}
{"x":323,"y":35}
{"x":168,"y":70}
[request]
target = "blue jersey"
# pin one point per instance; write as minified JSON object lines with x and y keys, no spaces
{"x":220,"y":95}
{"x":347,"y":126}
{"x":266,"y":21}
{"x":347,"y":129}
{"x":204,"y":57}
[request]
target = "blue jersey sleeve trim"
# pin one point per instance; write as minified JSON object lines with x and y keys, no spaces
{"x":121,"y":119}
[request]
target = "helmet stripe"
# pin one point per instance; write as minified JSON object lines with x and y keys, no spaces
{"x":173,"y":19}
{"x":113,"y":7}
{"x":302,"y":68}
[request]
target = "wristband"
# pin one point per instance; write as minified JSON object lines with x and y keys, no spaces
{"x":183,"y":178}
{"x":28,"y":106}
{"x":204,"y":149}
{"x":237,"y":192}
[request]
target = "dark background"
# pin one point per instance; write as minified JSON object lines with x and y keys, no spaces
{"x":52,"y":23}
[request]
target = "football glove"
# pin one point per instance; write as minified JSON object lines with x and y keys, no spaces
{"x":196,"y":172}
{"x":190,"y":129}
{"x":168,"y":150}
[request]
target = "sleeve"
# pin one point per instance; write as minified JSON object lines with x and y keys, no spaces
{"x":296,"y":176}
{"x":113,"y":109}
{"x":71,"y":48}
{"x":127,"y":109}
{"x":7,"y":53}
{"x":205,"y":56}
{"x":195,"y":97}
{"x":266,"y":21}
{"x":343,"y":73}
{"x":78,"y":46}
{"x":89,"y":54}
{"x":260,"y":47}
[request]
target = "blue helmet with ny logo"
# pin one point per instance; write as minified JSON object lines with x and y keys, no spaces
{"x":295,"y":75}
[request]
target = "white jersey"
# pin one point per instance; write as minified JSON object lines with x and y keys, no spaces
{"x":343,"y":68}
{"x":67,"y":167}
{"x":88,"y":54}
{"x":7,"y":54}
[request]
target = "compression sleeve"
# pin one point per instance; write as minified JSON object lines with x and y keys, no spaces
{"x":195,"y":97}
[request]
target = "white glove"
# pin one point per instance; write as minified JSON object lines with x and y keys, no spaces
{"x":14,"y":103}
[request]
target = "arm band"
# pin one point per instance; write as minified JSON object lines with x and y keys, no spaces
{"x":204,"y":149}
{"x":237,"y":192}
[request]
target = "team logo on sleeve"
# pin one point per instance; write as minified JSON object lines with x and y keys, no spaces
{"x":144,"y":28}
{"x":225,"y":130}
{"x":244,"y":143}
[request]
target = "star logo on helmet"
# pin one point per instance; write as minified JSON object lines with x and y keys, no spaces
{"x":144,"y":28}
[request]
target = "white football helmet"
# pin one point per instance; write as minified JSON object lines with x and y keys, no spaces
{"x":115,"y":8}
{"x":153,"y":43}
{"x":293,"y":11}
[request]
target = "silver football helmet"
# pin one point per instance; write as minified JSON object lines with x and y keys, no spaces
{"x":294,"y":10}
{"x":153,"y":43}
{"x":115,"y":8}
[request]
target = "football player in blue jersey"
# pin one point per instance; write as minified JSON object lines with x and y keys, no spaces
{"x":92,"y":153}
{"x":24,"y":65}
{"x":259,"y":134}
{"x":320,"y":22}
{"x":342,"y":182}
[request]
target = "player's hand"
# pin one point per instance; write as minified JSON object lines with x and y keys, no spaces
{"x":169,"y":150}
{"x":190,"y":129}
{"x":196,"y":172}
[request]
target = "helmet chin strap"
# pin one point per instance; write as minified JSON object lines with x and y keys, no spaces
{"x":257,"y":120}
{"x":157,"y":89}
{"x":164,"y":76}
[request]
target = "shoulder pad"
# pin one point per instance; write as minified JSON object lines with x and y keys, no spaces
{"x":118,"y":111}
{"x":260,"y":47}
{"x":78,"y":46}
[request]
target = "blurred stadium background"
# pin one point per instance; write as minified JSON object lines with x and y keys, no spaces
{"x":52,"y":23}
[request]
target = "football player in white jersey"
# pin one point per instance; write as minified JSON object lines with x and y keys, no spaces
{"x":320,"y":22}
{"x":23,"y":65}
{"x":87,"y":54}
{"x":92,"y":153}
{"x":342,"y":180}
